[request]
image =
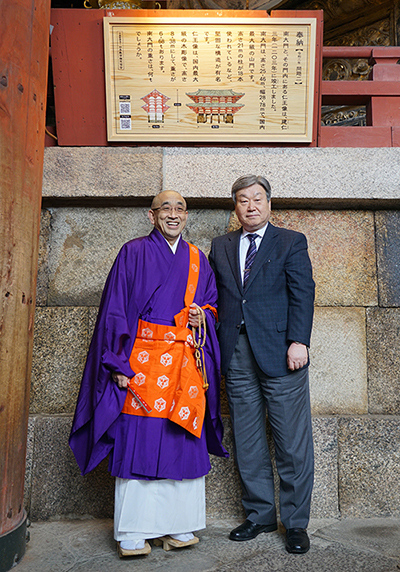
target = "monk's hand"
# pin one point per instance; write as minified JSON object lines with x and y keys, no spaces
{"x":194,"y":313}
{"x":120,"y":379}
{"x":297,"y":356}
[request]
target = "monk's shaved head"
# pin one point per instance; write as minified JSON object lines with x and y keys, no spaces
{"x":168,"y":213}
{"x":168,"y":197}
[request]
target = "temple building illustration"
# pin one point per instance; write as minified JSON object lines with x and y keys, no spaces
{"x":155,"y":106}
{"x":215,"y":105}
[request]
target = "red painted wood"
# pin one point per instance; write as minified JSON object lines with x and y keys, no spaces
{"x":376,"y":95}
{"x":395,"y":136}
{"x":78,"y":67}
{"x":361,"y":88}
{"x":24,"y":43}
{"x":384,"y":111}
{"x":382,"y":99}
{"x":385,"y":64}
{"x":355,"y":137}
{"x":386,"y":52}
{"x":347,"y":51}
{"x":381,"y":94}
{"x":78,"y":76}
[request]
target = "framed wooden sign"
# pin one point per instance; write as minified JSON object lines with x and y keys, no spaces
{"x":209,"y":80}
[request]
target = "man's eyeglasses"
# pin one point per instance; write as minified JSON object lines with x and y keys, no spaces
{"x":169,"y":210}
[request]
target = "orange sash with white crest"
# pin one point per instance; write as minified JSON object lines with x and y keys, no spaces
{"x":167,"y":378}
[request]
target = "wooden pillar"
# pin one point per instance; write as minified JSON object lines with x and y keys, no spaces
{"x":24,"y":45}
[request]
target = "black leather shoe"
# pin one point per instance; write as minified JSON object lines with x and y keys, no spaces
{"x":297,"y":541}
{"x":249,"y":530}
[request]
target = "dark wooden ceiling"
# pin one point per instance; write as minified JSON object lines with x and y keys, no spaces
{"x":354,"y":22}
{"x":346,"y":22}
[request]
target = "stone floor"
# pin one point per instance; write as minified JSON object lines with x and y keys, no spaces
{"x":349,"y":545}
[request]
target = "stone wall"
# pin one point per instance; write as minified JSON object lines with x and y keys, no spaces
{"x":95,"y":199}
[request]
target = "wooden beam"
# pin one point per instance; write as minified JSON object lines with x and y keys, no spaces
{"x":24,"y":45}
{"x":361,"y":88}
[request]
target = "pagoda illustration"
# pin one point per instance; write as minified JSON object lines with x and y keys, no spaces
{"x":155,"y":106}
{"x":215,"y":105}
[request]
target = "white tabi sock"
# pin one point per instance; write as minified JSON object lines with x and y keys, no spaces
{"x":132,"y":544}
{"x":183,"y":537}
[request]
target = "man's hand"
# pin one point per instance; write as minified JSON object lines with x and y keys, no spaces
{"x":194,"y":314}
{"x":297,"y":356}
{"x":120,"y":380}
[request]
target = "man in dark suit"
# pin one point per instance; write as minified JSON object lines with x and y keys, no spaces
{"x":265,"y":307}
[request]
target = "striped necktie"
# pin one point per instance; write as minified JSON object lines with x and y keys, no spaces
{"x":250,"y":256}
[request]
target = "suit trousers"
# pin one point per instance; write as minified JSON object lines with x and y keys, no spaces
{"x":251,"y":394}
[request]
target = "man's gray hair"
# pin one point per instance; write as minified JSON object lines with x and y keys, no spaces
{"x":247,"y":181}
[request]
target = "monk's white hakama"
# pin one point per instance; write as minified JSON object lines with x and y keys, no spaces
{"x":150,"y":509}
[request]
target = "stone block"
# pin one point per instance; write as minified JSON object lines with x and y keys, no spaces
{"x":223,"y":490}
{"x":383,"y":341}
{"x":59,"y":353}
{"x":203,"y":225}
{"x":102,"y":171}
{"x":224,"y":398}
{"x":338,"y":370}
{"x":93,"y":312}
{"x":342,"y":252}
{"x":55,"y":488}
{"x":341,"y":245}
{"x":379,"y":536}
{"x":84,"y":244}
{"x":325,"y":502}
{"x":267,"y":553}
{"x":58,"y":489}
{"x":369,"y":466}
{"x":29,"y":464}
{"x":388,"y":255}
{"x":314,"y":173}
{"x":43,"y":260}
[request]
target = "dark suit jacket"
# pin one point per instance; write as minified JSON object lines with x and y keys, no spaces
{"x":278,"y":303}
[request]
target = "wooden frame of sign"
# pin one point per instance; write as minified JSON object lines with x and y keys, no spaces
{"x":185,"y":79}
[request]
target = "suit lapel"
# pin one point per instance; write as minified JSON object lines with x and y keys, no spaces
{"x":232,"y":253}
{"x":266,"y":246}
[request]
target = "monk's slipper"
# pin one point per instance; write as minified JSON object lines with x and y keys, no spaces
{"x":122,"y":552}
{"x":168,"y":543}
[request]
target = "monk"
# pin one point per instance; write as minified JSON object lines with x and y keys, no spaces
{"x":149,"y":398}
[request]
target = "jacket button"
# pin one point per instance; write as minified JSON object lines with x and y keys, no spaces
{"x":244,"y":301}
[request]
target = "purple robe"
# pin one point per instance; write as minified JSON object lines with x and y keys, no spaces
{"x":147,"y":281}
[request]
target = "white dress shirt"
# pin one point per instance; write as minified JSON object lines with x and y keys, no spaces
{"x":245,"y":243}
